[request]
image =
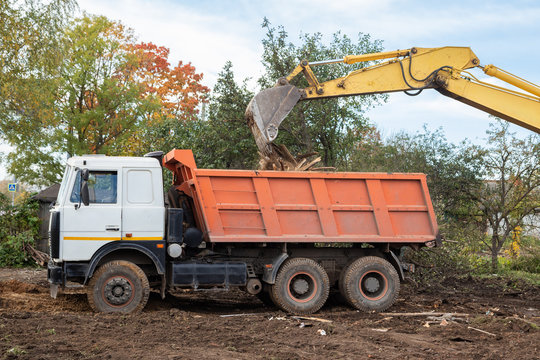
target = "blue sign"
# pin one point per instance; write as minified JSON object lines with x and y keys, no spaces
{"x":12,"y":187}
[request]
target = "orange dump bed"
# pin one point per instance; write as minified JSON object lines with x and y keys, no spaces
{"x":275,"y":206}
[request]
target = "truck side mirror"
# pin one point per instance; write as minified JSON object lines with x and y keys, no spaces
{"x":84,"y":174}
{"x":85,"y":197}
{"x":83,"y":190}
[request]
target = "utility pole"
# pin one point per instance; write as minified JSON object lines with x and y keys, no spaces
{"x":13,"y":192}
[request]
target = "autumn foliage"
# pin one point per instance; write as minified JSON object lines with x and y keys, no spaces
{"x":178,"y":89}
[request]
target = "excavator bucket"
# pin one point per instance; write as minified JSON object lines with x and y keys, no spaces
{"x":267,"y":110}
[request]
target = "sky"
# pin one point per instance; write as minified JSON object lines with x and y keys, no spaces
{"x":209,"y":33}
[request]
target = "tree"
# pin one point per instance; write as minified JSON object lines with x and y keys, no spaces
{"x":179,"y":89}
{"x":30,"y":58}
{"x":108,"y":92}
{"x":329,"y":126}
{"x":19,"y":227}
{"x":452,"y":170}
{"x":225,"y":140}
{"x":179,"y":92}
{"x":30,"y":37}
{"x":90,"y":104}
{"x":511,"y":188}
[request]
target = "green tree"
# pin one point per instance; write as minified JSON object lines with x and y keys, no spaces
{"x":510,"y":191}
{"x":81,"y":106}
{"x":98,"y":100}
{"x":329,"y":127}
{"x":30,"y":58}
{"x":30,"y":51}
{"x":227,"y":141}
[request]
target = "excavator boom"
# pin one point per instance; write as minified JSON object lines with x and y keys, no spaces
{"x":443,"y":69}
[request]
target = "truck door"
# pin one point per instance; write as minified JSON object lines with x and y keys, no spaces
{"x":87,"y":228}
{"x":143,"y":209}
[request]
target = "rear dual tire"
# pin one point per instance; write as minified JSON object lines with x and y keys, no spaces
{"x":370,"y":284}
{"x":301,"y":287}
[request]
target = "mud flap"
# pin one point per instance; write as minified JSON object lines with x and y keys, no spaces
{"x":54,"y":290}
{"x":397,"y":264}
{"x":163,"y":288}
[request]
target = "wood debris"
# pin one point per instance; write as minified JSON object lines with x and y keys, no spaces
{"x":39,"y":257}
{"x":235,"y":315}
{"x":311,"y":318}
{"x":280,"y":158}
{"x":426,"y":314}
{"x":381,"y":330}
{"x":480,"y":330}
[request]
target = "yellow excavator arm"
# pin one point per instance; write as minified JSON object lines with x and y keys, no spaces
{"x":443,"y":69}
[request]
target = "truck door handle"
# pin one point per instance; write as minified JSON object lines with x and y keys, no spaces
{"x":112,"y":227}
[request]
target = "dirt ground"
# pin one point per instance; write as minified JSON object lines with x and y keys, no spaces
{"x":496,"y":320}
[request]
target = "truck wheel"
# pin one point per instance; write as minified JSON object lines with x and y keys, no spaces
{"x":370,"y":284}
{"x":302,"y":286}
{"x":118,"y":286}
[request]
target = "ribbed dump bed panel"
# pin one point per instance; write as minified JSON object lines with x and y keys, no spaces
{"x":315,"y":207}
{"x":272,"y":206}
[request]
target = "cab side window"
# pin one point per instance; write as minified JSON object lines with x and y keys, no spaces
{"x":102,"y":187}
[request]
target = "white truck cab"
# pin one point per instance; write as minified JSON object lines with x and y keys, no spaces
{"x":124,"y":209}
{"x":125,"y":204}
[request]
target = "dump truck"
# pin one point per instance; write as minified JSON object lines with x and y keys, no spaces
{"x":288,"y":237}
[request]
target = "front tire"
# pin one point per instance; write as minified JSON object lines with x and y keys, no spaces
{"x":302,"y":286}
{"x":118,"y":286}
{"x":370,"y":284}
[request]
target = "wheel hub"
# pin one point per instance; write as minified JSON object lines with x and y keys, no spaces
{"x":118,"y":291}
{"x":300,"y":286}
{"x":372,"y":284}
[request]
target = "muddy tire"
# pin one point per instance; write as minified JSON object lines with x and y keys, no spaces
{"x":118,"y":286}
{"x":302,"y":286}
{"x":370,"y":284}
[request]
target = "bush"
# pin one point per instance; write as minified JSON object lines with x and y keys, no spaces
{"x":19,"y":225}
{"x":12,"y":250}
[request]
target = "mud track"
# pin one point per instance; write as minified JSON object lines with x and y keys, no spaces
{"x":189,"y":325}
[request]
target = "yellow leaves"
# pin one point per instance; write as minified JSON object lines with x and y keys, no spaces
{"x":515,"y":246}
